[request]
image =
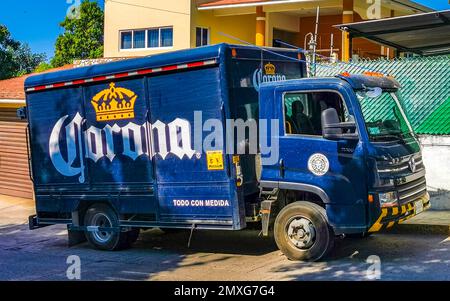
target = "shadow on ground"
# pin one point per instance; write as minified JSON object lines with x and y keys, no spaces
{"x":246,"y":242}
{"x":402,"y":257}
{"x":217,"y":255}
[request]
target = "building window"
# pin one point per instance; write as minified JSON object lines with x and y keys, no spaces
{"x":139,"y":39}
{"x":201,"y":36}
{"x":146,"y":38}
{"x":166,"y":35}
{"x":153,"y":38}
{"x":126,"y":40}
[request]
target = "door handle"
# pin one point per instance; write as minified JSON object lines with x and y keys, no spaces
{"x":282,"y":168}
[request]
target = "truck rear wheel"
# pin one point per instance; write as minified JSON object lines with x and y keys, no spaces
{"x":302,"y":232}
{"x":101,"y":215}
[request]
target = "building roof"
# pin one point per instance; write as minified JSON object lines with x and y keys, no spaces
{"x":230,"y":2}
{"x":13,"y":89}
{"x":235,"y":3}
{"x":425,"y":87}
{"x":217,"y":4}
{"x":424,"y":34}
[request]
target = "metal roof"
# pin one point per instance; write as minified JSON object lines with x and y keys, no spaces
{"x":223,"y":4}
{"x":424,"y":34}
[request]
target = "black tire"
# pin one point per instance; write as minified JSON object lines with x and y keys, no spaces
{"x":319,"y":240}
{"x":103,"y":215}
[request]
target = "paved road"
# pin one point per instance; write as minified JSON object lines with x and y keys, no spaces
{"x":42,"y":255}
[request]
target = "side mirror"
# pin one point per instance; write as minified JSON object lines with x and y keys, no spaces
{"x":333,"y":129}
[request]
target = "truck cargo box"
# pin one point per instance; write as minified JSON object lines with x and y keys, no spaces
{"x":124,"y":134}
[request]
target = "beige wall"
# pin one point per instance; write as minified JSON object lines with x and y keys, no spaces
{"x":238,"y":22}
{"x":280,"y":21}
{"x":242,"y":27}
{"x":136,"y":14}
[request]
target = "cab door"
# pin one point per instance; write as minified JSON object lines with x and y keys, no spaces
{"x":336,"y":168}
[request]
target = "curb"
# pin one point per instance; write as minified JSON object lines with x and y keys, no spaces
{"x":420,"y":229}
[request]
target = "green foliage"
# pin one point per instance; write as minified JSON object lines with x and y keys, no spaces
{"x":42,"y":67}
{"x":7,"y":48}
{"x":82,"y":37}
{"x":16,"y":59}
{"x":26,"y":60}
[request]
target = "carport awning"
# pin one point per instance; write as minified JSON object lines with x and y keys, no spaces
{"x":424,"y":34}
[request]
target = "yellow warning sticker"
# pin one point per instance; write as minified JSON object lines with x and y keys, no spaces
{"x":215,"y":160}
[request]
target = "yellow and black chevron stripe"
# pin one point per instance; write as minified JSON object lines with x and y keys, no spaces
{"x":396,"y":215}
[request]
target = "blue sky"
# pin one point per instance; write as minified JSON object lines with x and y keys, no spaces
{"x":36,"y":22}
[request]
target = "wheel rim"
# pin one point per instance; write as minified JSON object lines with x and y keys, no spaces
{"x":102,"y":220}
{"x":301,"y":232}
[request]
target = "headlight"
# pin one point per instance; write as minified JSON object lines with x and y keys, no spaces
{"x":388,"y":199}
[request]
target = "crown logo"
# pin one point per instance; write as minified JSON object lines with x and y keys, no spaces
{"x":270,"y":69}
{"x":114,"y":103}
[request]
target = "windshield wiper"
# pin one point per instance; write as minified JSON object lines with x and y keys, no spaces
{"x":387,"y":136}
{"x":401,"y":134}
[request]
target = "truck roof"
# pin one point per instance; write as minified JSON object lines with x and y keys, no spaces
{"x":175,"y":58}
{"x":357,"y":82}
{"x":360,"y":82}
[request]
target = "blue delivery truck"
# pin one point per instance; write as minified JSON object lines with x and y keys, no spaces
{"x":169,"y":141}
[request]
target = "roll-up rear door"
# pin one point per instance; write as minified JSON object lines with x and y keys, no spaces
{"x":14,"y":175}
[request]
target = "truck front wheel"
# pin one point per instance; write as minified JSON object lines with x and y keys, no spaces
{"x":103,"y":216}
{"x":302,"y":232}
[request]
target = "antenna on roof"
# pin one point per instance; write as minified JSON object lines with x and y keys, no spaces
{"x":313,"y":43}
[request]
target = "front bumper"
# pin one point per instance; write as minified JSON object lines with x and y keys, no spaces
{"x":396,"y":215}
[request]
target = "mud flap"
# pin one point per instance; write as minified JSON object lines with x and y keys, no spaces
{"x":76,"y":237}
{"x":266,"y":208}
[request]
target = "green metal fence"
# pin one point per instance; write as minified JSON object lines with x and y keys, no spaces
{"x":426,"y":87}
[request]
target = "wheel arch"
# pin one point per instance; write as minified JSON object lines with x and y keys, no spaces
{"x":83,"y":206}
{"x":319,"y":196}
{"x":306,"y":188}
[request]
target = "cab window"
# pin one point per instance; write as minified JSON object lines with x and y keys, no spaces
{"x":303,"y":111}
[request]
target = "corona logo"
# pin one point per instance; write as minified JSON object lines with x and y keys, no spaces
{"x":269,"y":75}
{"x":114,"y":104}
{"x":270,"y":69}
{"x":69,"y":144}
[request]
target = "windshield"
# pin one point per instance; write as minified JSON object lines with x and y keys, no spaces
{"x":384,"y":117}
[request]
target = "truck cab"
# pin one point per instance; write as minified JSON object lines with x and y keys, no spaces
{"x":348,"y":156}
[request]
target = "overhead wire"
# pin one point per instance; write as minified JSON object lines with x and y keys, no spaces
{"x":300,"y":50}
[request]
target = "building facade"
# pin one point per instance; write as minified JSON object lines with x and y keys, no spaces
{"x":145,"y":27}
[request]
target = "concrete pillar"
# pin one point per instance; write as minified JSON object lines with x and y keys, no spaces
{"x":347,"y":17}
{"x":260,"y":39}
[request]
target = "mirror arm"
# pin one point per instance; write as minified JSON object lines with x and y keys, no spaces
{"x":353,"y":136}
{"x":342,"y":125}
